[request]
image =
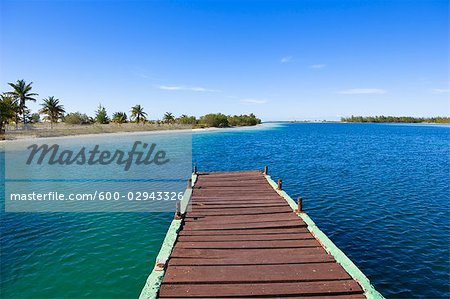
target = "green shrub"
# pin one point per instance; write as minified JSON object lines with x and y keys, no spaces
{"x":77,"y":118}
{"x":119,"y":117}
{"x":243,"y":120}
{"x":187,"y":120}
{"x":214,"y":120}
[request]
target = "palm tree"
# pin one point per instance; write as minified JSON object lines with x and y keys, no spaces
{"x":119,"y":117}
{"x":137,"y":113}
{"x":22,"y":93}
{"x":168,"y":118}
{"x":8,"y":111}
{"x":10,"y":104}
{"x":52,"y":109}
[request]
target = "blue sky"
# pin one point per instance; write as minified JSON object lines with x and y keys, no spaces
{"x":282,"y":60}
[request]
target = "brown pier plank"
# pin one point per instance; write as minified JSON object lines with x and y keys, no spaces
{"x":344,"y":287}
{"x":256,"y":273}
{"x":290,"y":254}
{"x":258,"y":237}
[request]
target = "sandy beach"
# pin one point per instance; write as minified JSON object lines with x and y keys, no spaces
{"x":152,"y":129}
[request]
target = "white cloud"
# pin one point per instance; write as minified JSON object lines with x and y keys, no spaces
{"x":187,"y":88}
{"x":163,"y":87}
{"x":286,"y":59}
{"x":254,"y":101}
{"x":317,"y":66}
{"x":440,"y":91}
{"x":202,"y":89}
{"x":363,"y":91}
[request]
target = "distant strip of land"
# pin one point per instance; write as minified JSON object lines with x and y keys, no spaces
{"x":43,"y":130}
{"x":17,"y":120}
{"x":396,"y":119}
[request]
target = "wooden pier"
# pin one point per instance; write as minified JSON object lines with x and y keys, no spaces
{"x":241,"y":238}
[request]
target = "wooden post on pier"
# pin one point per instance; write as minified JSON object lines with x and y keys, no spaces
{"x":299,"y":205}
{"x":266,"y":170}
{"x":195,"y":169}
{"x":178,"y":211}
{"x":280,"y":184}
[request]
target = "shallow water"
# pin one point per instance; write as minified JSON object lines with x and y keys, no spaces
{"x":380,"y":192}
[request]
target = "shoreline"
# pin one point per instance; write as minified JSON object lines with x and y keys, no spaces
{"x":128,"y":133}
{"x":157,"y":130}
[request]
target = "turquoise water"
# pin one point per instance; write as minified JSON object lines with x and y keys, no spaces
{"x":380,"y":192}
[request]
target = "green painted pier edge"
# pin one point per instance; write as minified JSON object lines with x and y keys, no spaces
{"x":154,"y":280}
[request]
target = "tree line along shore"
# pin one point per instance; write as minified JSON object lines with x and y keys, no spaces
{"x":15,"y":113}
{"x":396,"y":119}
